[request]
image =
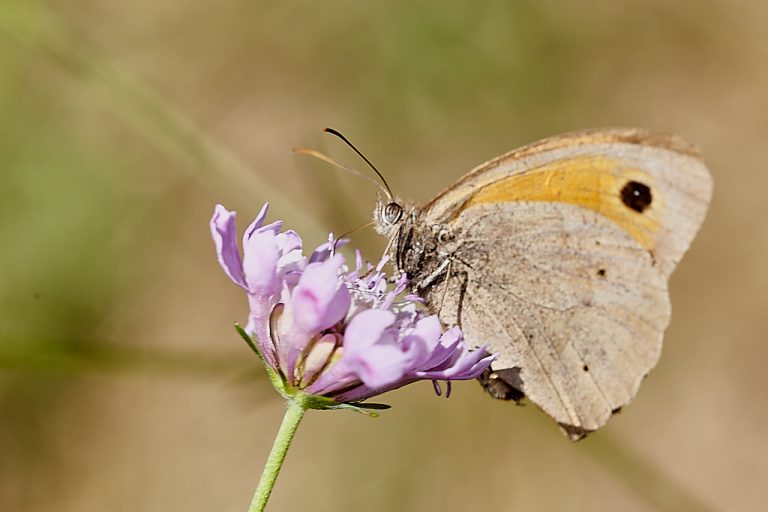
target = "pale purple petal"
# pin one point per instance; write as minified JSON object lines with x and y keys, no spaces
{"x":428,"y":329}
{"x":445,"y":349}
{"x":464,"y":370}
{"x":468,"y":365}
{"x":256,"y":224}
{"x":320,"y":300}
{"x":420,"y":343}
{"x":292,"y":261}
{"x":260,"y":264}
{"x":365,"y":329}
{"x":338,"y":377}
{"x":372,"y":350}
{"x":364,"y":392}
{"x":379,"y":365}
{"x":273,"y":227}
{"x":225,"y":239}
{"x":451,"y":338}
{"x":480,"y":366}
{"x":359,"y":393}
{"x":415,"y":350}
{"x":258,"y":325}
{"x":288,"y":241}
{"x":324,"y":251}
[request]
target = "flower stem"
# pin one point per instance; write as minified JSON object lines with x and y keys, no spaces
{"x":291,"y":420}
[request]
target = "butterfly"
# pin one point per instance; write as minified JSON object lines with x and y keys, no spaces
{"x":556,"y":256}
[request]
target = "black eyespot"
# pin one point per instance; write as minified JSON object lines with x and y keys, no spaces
{"x":393,"y":212}
{"x":601,"y":272}
{"x":636,"y":195}
{"x":585,"y":368}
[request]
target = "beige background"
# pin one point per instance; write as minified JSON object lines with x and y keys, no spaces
{"x":123,"y":386}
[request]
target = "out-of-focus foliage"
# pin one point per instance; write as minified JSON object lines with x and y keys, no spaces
{"x":122,"y":384}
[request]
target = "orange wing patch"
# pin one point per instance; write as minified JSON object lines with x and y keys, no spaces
{"x":608,"y":186}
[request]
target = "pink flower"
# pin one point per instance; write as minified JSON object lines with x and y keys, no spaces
{"x":330,"y":332}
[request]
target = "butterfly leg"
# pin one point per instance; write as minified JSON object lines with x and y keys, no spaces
{"x":433,"y":276}
{"x":445,"y":288}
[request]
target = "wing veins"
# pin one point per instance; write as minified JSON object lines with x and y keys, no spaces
{"x":535,"y":356}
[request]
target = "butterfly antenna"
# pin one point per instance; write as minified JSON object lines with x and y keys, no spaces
{"x":326,"y":158}
{"x":339,"y":135}
{"x":351,"y":231}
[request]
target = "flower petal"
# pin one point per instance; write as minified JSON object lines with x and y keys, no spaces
{"x":256,"y":224}
{"x":429,"y":329}
{"x":260,"y":264}
{"x":445,"y":349}
{"x":318,"y":357}
{"x":288,"y":241}
{"x":366,"y":328}
{"x":320,"y":299}
{"x":468,"y":365}
{"x":323,"y":252}
{"x":372,"y":349}
{"x":379,"y":365}
{"x":224,"y":234}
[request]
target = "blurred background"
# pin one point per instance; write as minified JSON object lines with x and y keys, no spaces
{"x":123,"y":386}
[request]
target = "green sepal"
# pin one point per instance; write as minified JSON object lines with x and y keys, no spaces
{"x":249,"y":341}
{"x":325,"y":403}
{"x":379,"y":407}
{"x":306,"y":400}
{"x":276,"y":378}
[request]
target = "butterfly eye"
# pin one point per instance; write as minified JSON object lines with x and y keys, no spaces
{"x":393,"y":212}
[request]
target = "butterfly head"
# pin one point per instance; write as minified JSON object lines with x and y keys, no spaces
{"x":409,"y":242}
{"x":388,"y":215}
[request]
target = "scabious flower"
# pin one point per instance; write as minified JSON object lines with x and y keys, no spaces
{"x":327,"y":331}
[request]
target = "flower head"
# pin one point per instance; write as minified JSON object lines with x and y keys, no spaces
{"x":328,"y":331}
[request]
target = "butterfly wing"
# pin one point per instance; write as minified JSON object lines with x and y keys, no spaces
{"x":655,"y":186}
{"x":569,"y":302}
{"x":559,"y":255}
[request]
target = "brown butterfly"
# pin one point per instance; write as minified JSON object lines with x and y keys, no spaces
{"x":556,"y":256}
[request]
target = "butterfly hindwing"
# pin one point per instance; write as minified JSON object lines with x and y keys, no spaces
{"x":567,"y":299}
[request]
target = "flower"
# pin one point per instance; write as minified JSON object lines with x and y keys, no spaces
{"x":328,"y":331}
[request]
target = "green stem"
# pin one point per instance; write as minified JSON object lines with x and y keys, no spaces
{"x":291,"y":420}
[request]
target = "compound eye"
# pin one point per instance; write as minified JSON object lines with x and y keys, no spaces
{"x":393,"y":212}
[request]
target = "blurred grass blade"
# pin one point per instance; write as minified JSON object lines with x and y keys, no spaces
{"x":38,"y":27}
{"x":25,"y":359}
